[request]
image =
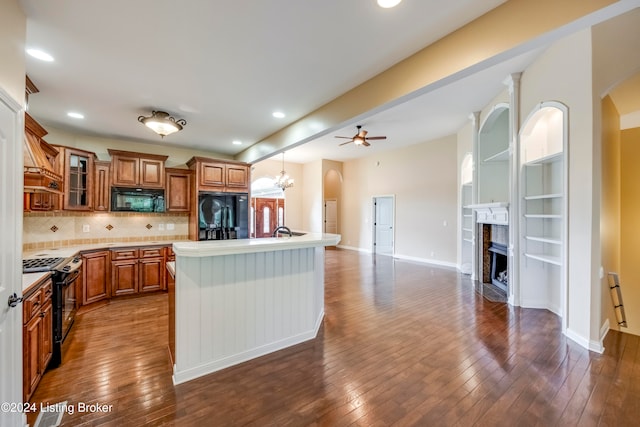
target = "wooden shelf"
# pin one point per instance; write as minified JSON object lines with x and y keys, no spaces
{"x":543,"y":216}
{"x":550,"y":158}
{"x":544,"y":196}
{"x":550,"y":240}
{"x":548,"y":259}
{"x":502,"y":156}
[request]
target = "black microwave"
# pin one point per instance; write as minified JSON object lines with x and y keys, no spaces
{"x":136,"y":200}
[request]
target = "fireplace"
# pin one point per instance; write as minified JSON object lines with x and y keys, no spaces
{"x":498,"y":272}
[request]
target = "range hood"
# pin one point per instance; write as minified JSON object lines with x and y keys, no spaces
{"x":40,"y":159}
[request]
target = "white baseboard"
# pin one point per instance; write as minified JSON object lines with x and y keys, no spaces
{"x":591,"y":345}
{"x":427,"y":261}
{"x":353,"y":248}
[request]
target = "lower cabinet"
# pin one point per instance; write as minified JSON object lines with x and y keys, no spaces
{"x":96,"y":276}
{"x":137,"y":270}
{"x":37,"y":335}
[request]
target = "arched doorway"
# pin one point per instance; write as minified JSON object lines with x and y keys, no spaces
{"x":267,"y":208}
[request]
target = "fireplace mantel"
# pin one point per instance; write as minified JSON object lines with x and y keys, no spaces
{"x":491,"y":213}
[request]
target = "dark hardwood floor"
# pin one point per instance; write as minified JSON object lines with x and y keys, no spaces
{"x":402,"y":344}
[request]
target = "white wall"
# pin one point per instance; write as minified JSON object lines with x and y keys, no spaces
{"x":423,"y":178}
{"x":312,"y":197}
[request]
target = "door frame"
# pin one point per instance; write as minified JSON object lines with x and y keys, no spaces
{"x":373,"y":221}
{"x":11,"y":186}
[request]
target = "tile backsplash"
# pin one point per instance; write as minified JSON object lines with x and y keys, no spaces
{"x":44,"y":230}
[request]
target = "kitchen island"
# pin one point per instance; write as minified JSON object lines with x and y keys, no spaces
{"x":236,"y":300}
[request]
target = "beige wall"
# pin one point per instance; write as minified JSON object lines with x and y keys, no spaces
{"x":293,"y":196}
{"x":13,"y":29}
{"x":423,"y":178}
{"x":563,"y":73}
{"x":178,"y":156}
{"x":630,"y":227}
{"x":610,"y":210}
{"x":312,"y":197}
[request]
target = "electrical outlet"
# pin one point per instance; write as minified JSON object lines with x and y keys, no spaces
{"x":86,"y":228}
{"x":171,"y":226}
{"x":161,"y":227}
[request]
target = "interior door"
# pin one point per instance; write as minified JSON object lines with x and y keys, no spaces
{"x":383,"y":225}
{"x":331,"y":216}
{"x":266,"y":216}
{"x":11,"y":183}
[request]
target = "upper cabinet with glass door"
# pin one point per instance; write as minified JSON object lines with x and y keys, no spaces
{"x":78,"y":178}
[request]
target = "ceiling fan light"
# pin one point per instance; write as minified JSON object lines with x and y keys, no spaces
{"x":162,"y":123}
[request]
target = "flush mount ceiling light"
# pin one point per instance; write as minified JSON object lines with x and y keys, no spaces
{"x":283,"y":181}
{"x":278,"y":114}
{"x":162,"y":123}
{"x":388,"y":3}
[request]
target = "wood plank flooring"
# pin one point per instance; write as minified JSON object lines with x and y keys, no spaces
{"x":402,"y":344}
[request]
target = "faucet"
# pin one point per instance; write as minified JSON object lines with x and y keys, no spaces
{"x":284,"y":229}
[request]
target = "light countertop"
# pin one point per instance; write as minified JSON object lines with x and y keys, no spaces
{"x":30,"y":279}
{"x":239,"y":246}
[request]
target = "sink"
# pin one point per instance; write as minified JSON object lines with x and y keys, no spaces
{"x":297,"y":233}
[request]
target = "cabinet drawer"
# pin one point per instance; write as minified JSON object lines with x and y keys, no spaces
{"x":32,"y":305}
{"x":47,"y":291}
{"x":117,"y":254}
{"x":152,"y":252}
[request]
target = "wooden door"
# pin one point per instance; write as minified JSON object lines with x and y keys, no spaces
{"x":124,"y":277}
{"x":265,"y":212}
{"x":78,"y":180}
{"x":331,"y":216}
{"x":151,"y":274}
{"x":125,"y":171}
{"x":151,"y":173}
{"x":32,"y":371}
{"x":178,"y":190}
{"x":101,"y":186}
{"x":96,"y":276}
{"x":46,"y":347}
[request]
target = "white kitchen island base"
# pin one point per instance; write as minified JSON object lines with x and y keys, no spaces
{"x":238,"y":300}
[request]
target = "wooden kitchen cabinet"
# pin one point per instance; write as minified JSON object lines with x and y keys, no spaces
{"x":76,"y":168}
{"x":136,"y":270}
{"x":42,"y":201}
{"x":219,"y":175}
{"x":131,"y":169}
{"x":101,"y":186}
{"x":178,"y":193}
{"x":37,"y":335}
{"x":96,"y":276}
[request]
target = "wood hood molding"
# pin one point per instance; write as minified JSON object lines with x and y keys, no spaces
{"x":40,"y":159}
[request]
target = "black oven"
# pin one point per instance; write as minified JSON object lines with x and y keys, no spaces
{"x":64,"y":304}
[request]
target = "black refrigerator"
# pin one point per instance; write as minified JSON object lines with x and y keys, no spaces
{"x":223,"y":216}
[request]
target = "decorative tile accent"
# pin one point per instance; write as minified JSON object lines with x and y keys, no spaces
{"x":54,"y":228}
{"x":109,"y":227}
{"x":149,"y":226}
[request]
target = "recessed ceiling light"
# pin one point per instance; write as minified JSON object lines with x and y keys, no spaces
{"x":388,"y":3}
{"x":39,"y":54}
{"x":236,"y":142}
{"x":75,"y":115}
{"x":278,"y":114}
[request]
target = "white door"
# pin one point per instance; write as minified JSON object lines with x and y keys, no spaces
{"x":383,"y":225}
{"x":10,"y":273}
{"x":331,"y":216}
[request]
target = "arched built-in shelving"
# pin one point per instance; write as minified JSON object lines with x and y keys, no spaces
{"x":493,"y":156}
{"x":466,"y":214}
{"x":543,"y":207}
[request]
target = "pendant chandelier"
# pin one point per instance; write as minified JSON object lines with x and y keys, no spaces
{"x":283,"y":181}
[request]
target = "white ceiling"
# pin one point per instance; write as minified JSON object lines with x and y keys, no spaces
{"x":225,"y":66}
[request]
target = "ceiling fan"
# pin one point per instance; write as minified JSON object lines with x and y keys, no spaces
{"x":361,"y":137}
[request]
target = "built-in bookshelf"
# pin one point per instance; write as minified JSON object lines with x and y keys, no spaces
{"x":493,"y":156}
{"x":467,"y":227}
{"x":543,"y":208}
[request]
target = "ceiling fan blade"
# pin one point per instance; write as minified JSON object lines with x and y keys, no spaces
{"x":344,"y":137}
{"x":371,"y":138}
{"x":365,"y":143}
{"x":344,"y":143}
